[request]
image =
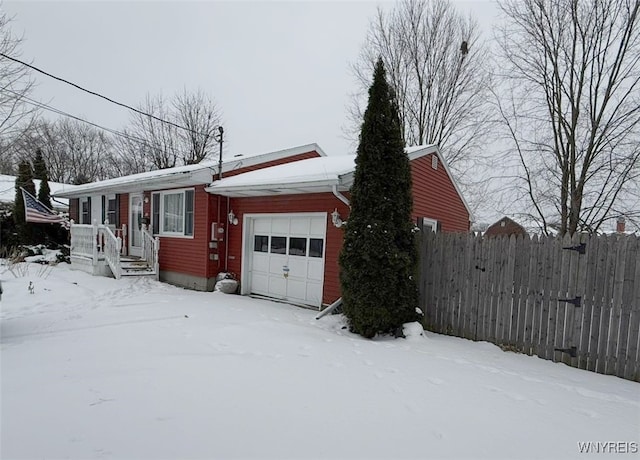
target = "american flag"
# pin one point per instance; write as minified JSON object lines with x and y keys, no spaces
{"x":36,"y":212}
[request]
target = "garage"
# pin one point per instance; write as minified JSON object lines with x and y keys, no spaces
{"x":286,"y":254}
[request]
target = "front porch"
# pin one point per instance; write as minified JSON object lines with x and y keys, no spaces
{"x":98,"y":250}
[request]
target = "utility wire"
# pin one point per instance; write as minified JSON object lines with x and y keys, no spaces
{"x":124,"y":135}
{"x":101,"y":96}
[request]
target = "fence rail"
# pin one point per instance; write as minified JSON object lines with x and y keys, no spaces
{"x":574,"y":300}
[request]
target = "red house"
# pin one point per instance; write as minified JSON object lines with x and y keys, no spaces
{"x":274,"y":220}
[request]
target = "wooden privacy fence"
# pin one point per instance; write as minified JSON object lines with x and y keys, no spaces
{"x":574,"y":300}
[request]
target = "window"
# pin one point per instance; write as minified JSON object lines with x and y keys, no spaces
{"x":188,"y":218}
{"x":155,"y":211}
{"x":428,"y":225}
{"x":112,"y":209}
{"x":297,"y":246}
{"x":261,"y":243}
{"x":85,"y":210}
{"x":173,"y":212}
{"x":278,"y":245}
{"x":315,"y":247}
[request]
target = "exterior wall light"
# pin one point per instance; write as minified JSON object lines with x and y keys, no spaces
{"x":336,"y":219}
{"x":232,"y":218}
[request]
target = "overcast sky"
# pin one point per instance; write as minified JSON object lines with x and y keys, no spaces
{"x":279,"y":71}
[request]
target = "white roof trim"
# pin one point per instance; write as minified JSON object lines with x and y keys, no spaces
{"x":179,"y":176}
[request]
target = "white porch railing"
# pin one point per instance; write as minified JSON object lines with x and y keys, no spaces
{"x":97,"y":242}
{"x":84,"y":241}
{"x":150,"y":248}
{"x":111,"y":247}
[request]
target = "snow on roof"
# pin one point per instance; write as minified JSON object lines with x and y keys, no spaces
{"x":321,"y":169}
{"x":200,"y":173}
{"x":8,"y":190}
{"x":306,"y":176}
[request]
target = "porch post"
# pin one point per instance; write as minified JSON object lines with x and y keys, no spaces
{"x":94,"y":238}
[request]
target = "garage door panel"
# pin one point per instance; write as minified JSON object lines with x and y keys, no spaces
{"x":314,"y":293}
{"x":260,"y":283}
{"x":280,"y":226}
{"x":315,"y":270}
{"x":260,"y":262}
{"x":276,"y":263}
{"x":318,"y":226}
{"x":297,"y":289}
{"x":298,"y":267}
{"x":300,"y":226}
{"x":262,"y":226}
{"x":277,"y":286}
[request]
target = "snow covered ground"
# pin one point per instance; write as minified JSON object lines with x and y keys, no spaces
{"x":135,"y":369}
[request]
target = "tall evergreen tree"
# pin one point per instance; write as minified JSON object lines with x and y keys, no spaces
{"x":40,"y":172}
{"x":379,"y":256}
{"x":24,"y":180}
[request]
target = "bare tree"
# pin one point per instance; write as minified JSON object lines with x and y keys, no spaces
{"x":436,"y":65}
{"x":160,"y":145}
{"x":199,"y":114}
{"x":85,"y":154}
{"x":570,"y":103}
{"x":15,"y":84}
{"x":180,"y":132}
{"x":128,"y":155}
{"x":75,"y":153}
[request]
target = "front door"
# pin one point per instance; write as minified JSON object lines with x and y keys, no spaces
{"x":135,"y":225}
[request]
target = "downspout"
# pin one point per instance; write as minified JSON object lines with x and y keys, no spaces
{"x":340,"y":196}
{"x":226,"y":241}
{"x":338,"y":302}
{"x":216,"y":236}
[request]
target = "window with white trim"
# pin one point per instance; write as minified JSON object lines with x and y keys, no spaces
{"x":426,"y":224}
{"x":173,"y":212}
{"x":85,"y":210}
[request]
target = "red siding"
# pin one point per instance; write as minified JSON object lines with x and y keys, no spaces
{"x":319,"y":202}
{"x":124,"y":209}
{"x":435,"y":196}
{"x":124,"y":218}
{"x":74,"y":209}
{"x":189,"y":255}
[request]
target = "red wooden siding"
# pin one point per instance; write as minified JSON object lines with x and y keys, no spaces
{"x":185,"y":254}
{"x":435,"y":196}
{"x":124,"y":209}
{"x":74,"y":209}
{"x":319,"y":202}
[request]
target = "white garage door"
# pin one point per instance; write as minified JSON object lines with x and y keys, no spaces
{"x":286,"y":255}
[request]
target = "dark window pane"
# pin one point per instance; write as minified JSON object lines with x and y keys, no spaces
{"x":297,"y":246}
{"x":278,"y":245}
{"x":155,"y":223}
{"x":315,"y":247}
{"x":188,"y":204}
{"x":111,"y":211}
{"x":261,"y":243}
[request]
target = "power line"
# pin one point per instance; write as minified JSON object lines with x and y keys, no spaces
{"x":93,"y":93}
{"x":124,"y":135}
